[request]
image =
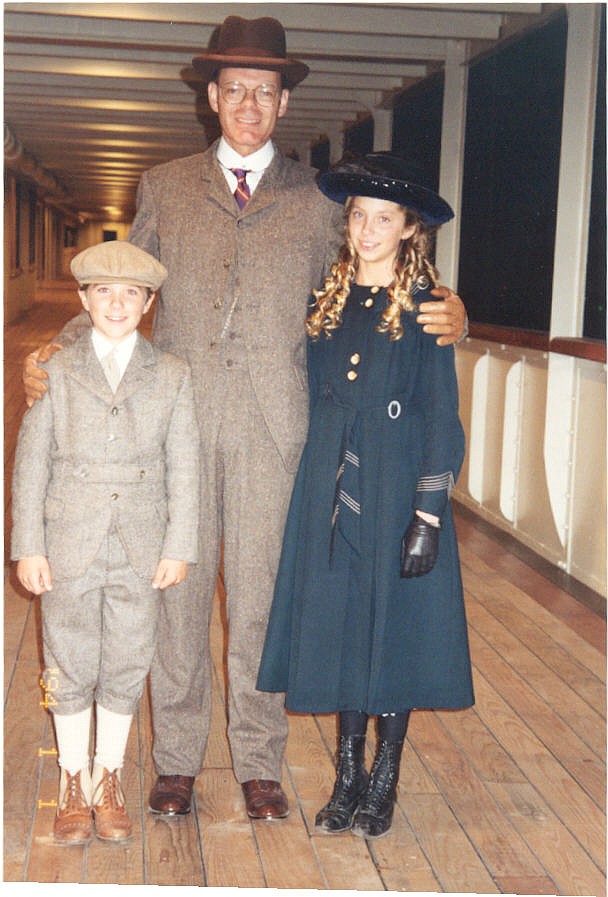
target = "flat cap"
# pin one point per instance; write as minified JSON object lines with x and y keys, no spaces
{"x":118,"y":262}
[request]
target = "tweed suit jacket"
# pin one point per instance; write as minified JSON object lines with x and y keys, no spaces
{"x":88,"y":460}
{"x":261,"y":263}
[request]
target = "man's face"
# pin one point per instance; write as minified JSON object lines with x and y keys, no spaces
{"x":247,"y":125}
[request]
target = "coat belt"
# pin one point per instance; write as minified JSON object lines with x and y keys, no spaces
{"x":112,"y":473}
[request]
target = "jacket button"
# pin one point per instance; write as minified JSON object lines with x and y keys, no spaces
{"x":114,"y":496}
{"x":217,"y":303}
{"x":114,"y":411}
{"x":368,"y":302}
{"x":226,"y":263}
{"x":355,"y":359}
{"x":352,"y":375}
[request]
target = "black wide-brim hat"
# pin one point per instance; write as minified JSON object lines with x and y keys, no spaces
{"x":254,"y":44}
{"x":386,"y":176}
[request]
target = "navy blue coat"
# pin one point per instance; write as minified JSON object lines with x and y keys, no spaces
{"x":345,"y":631}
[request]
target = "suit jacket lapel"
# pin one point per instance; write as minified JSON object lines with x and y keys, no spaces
{"x":213,"y":175}
{"x":82,"y":364}
{"x":265,"y":193}
{"x":141,"y":367}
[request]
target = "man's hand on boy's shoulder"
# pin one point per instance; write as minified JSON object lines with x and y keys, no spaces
{"x":34,"y":377}
{"x":169,"y":573}
{"x":447,"y":317}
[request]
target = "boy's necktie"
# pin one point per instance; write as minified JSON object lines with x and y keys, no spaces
{"x":242,"y":194}
{"x":111,"y":369}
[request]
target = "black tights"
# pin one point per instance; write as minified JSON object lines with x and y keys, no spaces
{"x":391,"y":726}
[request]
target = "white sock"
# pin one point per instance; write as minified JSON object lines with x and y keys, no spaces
{"x":111,"y":739}
{"x":73,"y":732}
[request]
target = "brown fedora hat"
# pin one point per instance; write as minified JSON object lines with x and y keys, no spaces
{"x":251,"y":43}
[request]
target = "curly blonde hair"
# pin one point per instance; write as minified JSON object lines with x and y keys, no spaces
{"x":411,"y":264}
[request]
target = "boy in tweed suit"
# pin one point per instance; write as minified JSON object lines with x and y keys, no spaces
{"x":105,"y":501}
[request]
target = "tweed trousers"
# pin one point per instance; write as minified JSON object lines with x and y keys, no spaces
{"x":245,"y":492}
{"x":99,"y":635}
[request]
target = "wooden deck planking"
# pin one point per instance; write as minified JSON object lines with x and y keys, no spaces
{"x":588,"y":685}
{"x":508,"y":796}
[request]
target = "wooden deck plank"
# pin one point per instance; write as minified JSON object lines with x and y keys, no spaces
{"x":587,"y":654}
{"x":503,"y":850}
{"x":16,"y":613}
{"x":547,"y":725}
{"x":564,"y":607}
{"x":588,"y":686}
{"x":171,"y":846}
{"x":491,"y":762}
{"x":572,"y":869}
{"x":558,"y":788}
{"x":286,"y":850}
{"x":228,"y":841}
{"x":447,"y":846}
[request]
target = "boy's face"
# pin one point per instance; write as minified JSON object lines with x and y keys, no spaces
{"x":115,"y":308}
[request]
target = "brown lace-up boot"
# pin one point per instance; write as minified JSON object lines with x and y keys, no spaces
{"x":112,"y":822}
{"x":73,"y":823}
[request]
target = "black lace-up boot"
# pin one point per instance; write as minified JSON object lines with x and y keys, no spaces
{"x":351,"y":782}
{"x":374,"y":815}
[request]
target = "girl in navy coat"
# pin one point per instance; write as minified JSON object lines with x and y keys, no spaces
{"x":368,"y":614}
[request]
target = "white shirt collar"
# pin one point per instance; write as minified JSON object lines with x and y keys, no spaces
{"x":257,"y":161}
{"x":123,"y":350}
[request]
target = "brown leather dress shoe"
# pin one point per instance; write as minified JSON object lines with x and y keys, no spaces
{"x":171,"y":795}
{"x":265,"y":799}
{"x":73,"y":822}
{"x":112,"y":822}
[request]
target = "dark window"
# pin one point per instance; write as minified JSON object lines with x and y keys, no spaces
{"x":595,"y":294}
{"x":17,"y":243}
{"x":70,"y":236}
{"x":319,"y":156}
{"x":32,"y":209}
{"x":109,"y":235}
{"x":510,"y":179}
{"x":359,"y":139}
{"x":417,"y":126}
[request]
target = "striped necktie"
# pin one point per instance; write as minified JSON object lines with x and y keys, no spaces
{"x":242,"y":194}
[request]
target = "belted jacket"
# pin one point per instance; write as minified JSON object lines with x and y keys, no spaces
{"x":88,"y":460}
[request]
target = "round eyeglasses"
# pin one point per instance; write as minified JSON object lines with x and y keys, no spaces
{"x":234,"y":92}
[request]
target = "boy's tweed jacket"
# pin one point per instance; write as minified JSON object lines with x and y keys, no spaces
{"x":87,"y":460}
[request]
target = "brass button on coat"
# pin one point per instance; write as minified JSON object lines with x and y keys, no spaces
{"x":355,"y":359}
{"x":352,"y":375}
{"x":368,"y":302}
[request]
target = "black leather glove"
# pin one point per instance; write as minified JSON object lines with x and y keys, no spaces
{"x":419,"y":548}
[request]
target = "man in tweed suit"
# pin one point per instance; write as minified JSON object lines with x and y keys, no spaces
{"x":240,"y":273}
{"x":105,"y":506}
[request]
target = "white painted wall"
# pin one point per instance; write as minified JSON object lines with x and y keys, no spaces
{"x":543,"y":483}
